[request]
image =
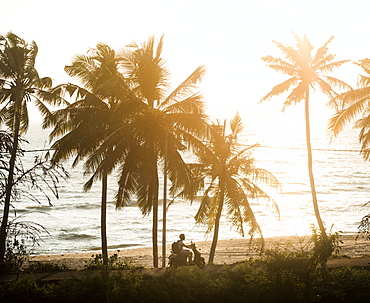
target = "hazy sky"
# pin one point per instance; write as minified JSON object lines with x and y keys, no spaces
{"x":228,"y":36}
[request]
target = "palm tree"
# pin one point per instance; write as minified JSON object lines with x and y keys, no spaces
{"x":19,"y":84}
{"x":176,"y":119}
{"x":84,"y":123}
{"x":232,"y":180}
{"x":357,"y":102}
{"x":305,"y":71}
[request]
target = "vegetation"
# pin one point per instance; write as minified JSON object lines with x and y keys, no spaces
{"x":114,"y":262}
{"x":284,"y":278}
{"x":306,"y":72}
{"x":19,"y":84}
{"x":81,"y":127}
{"x":125,"y":118}
{"x":232,"y":180}
{"x":21,"y":234}
{"x":166,"y":125}
{"x":356,"y":110}
{"x":364,"y":227}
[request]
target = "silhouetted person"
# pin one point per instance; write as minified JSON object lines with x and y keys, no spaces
{"x":186,"y":254}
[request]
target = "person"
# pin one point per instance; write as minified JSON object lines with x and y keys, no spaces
{"x":186,"y":254}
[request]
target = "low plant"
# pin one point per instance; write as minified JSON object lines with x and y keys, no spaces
{"x":364,"y":228}
{"x":15,"y":255}
{"x":22,"y":237}
{"x":114,"y":262}
{"x":325,"y":246}
{"x":37,"y":266}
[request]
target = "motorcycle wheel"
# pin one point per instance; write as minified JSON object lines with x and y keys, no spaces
{"x":201,"y":263}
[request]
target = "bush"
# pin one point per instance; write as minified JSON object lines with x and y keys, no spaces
{"x":114,"y":262}
{"x":324,"y":246}
{"x":285,"y":278}
{"x":34,"y":267}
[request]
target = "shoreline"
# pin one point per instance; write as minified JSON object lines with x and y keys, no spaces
{"x":227,"y":251}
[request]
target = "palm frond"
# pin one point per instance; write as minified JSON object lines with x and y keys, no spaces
{"x":343,"y":117}
{"x":281,"y":88}
{"x":321,"y":53}
{"x":185,"y":88}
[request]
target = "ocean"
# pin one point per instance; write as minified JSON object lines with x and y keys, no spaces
{"x":341,"y":177}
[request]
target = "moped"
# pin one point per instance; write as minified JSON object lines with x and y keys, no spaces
{"x":176,"y":260}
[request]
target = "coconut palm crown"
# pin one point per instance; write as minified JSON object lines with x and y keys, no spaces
{"x":357,"y":108}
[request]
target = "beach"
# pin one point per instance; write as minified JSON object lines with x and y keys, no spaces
{"x":227,"y":252}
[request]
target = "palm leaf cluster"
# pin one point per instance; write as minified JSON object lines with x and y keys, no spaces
{"x":305,"y":69}
{"x":356,"y":104}
{"x":19,"y":81}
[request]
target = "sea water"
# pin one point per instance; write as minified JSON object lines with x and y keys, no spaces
{"x":341,"y":176}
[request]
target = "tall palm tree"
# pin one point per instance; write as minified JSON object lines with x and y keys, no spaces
{"x":179,"y":114}
{"x":232,"y":179}
{"x":357,"y":107}
{"x":83,"y":124}
{"x":306,"y":71}
{"x":19,"y":84}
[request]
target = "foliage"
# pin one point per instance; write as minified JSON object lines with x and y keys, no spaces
{"x":22,"y":237}
{"x":364,"y":227}
{"x":41,"y":178}
{"x":15,"y":255}
{"x":356,"y":109}
{"x":325,"y":245}
{"x":35,"y":267}
{"x":244,"y":283}
{"x":81,"y":127}
{"x":167,"y":123}
{"x":20,"y":84}
{"x":35,"y":183}
{"x":228,"y":175}
{"x":114,"y":262}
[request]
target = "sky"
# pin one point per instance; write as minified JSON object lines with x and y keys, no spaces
{"x":228,"y":37}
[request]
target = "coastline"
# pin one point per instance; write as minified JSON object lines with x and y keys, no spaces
{"x":227,"y":251}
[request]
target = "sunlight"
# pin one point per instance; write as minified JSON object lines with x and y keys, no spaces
{"x":228,"y":38}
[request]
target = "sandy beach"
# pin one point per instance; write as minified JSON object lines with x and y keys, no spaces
{"x":227,"y":252}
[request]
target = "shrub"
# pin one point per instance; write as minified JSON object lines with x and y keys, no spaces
{"x":114,"y":262}
{"x":34,"y":267}
{"x":324,"y":246}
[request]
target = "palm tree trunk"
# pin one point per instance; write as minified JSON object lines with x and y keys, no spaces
{"x":164,"y":203}
{"x":155,"y":224}
{"x":217,"y":224}
{"x":103,"y":228}
{"x":310,"y":172}
{"x":153,"y":196}
{"x":9,"y":185}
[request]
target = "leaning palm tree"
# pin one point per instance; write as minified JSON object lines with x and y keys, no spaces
{"x":19,"y":84}
{"x":357,"y":107}
{"x":232,"y":179}
{"x":175,"y":119}
{"x":306,"y":71}
{"x":82,"y":126}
